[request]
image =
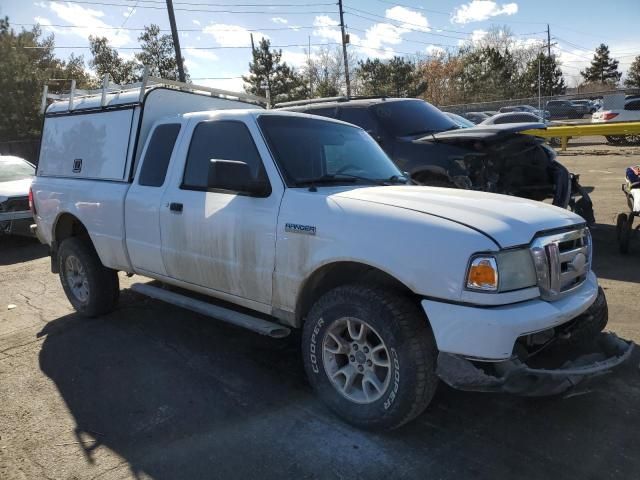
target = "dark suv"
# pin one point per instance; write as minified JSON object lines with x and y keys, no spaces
{"x":563,"y":109}
{"x":435,"y":151}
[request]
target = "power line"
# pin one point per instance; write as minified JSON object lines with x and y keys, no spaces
{"x":149,"y":7}
{"x":414,"y":41}
{"x":253,"y":29}
{"x":188,"y":48}
{"x":428,"y":30}
{"x":204,"y":4}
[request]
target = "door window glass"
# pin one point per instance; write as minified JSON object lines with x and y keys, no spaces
{"x":220,"y":140}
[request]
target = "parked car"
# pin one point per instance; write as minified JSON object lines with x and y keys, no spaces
{"x":526,"y":108}
{"x":299,"y":221}
{"x":585,"y":106}
{"x":459,"y":120}
{"x":431,"y":147}
{"x":15,"y":178}
{"x":475,"y":117}
{"x":563,"y":109}
{"x":629,"y":113}
{"x":512,"y":117}
{"x":489,"y":113}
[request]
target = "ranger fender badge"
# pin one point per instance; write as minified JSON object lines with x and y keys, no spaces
{"x":296,"y":228}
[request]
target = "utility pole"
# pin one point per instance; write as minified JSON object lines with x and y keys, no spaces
{"x":550,"y":72}
{"x":344,"y":50}
{"x":253,"y":47}
{"x":176,"y":41}
{"x":309,"y":69}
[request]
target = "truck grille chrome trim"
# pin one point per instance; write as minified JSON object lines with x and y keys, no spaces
{"x":562,"y":261}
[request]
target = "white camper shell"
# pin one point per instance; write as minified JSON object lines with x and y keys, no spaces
{"x":100,"y":136}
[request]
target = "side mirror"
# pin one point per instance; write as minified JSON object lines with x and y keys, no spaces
{"x":235,"y":176}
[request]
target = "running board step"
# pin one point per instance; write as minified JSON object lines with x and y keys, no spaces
{"x":243,"y":320}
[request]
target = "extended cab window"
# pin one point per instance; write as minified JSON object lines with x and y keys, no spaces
{"x":220,"y":140}
{"x":156,"y":159}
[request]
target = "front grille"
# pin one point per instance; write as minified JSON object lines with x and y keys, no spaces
{"x":15,"y":204}
{"x":562,"y":261}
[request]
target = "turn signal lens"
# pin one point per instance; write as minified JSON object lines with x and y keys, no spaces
{"x":483,"y":274}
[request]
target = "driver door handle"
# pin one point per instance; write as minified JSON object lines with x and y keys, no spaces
{"x":175,"y":207}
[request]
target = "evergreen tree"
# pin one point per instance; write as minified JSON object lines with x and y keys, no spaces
{"x":105,"y":59}
{"x":633,"y":75}
{"x":603,"y":68}
{"x":267,"y":70}
{"x":397,"y":77}
{"x":28,"y":63}
{"x":158,"y":54}
{"x":489,"y":74}
{"x":551,"y":79}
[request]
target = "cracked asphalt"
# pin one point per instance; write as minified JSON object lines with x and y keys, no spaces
{"x":152,"y":391}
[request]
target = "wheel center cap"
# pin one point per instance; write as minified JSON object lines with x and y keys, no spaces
{"x":361,"y":357}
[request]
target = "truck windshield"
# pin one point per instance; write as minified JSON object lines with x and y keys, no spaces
{"x":412,"y":117}
{"x":308,"y":149}
{"x":12,"y":168}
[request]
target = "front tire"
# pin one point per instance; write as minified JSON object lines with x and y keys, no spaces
{"x":370,"y":356}
{"x":92,"y":288}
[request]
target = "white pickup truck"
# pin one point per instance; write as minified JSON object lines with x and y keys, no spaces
{"x":304,"y":222}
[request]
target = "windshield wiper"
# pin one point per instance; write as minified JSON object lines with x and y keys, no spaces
{"x":336,"y":178}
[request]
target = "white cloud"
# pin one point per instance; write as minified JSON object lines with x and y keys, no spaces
{"x":91,"y":21}
{"x":479,"y":10}
{"x":296,"y":59}
{"x":40,"y":4}
{"x":327,"y":28}
{"x":280,"y":20}
{"x":230,"y":84}
{"x":434,"y":50}
{"x":128,"y":12}
{"x":409,"y":18}
{"x":202,"y":54}
{"x":378,"y":38}
{"x":46,"y":23}
{"x":232,"y":35}
{"x":196,"y":22}
{"x":478,"y":35}
{"x":190,"y":64}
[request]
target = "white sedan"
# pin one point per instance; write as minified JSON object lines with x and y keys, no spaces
{"x":15,"y":180}
{"x":630,"y":113}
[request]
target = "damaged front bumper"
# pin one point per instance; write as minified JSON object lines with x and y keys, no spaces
{"x":553,"y":368}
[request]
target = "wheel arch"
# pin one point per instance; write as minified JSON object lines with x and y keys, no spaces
{"x":65,"y":226}
{"x":337,"y":273}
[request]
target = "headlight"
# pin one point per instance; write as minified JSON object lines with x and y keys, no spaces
{"x":501,"y":272}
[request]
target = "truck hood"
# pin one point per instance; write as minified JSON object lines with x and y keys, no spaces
{"x":482,"y":132}
{"x":15,"y":188}
{"x":508,"y":221}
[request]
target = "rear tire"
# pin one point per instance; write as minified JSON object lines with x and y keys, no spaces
{"x":624,"y":231}
{"x":349,"y":336}
{"x":92,"y":288}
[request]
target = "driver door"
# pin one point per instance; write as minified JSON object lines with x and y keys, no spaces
{"x":219,"y":239}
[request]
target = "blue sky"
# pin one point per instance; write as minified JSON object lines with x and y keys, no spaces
{"x":214,"y":34}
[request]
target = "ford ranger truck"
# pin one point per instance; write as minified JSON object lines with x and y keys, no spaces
{"x":307,"y":223}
